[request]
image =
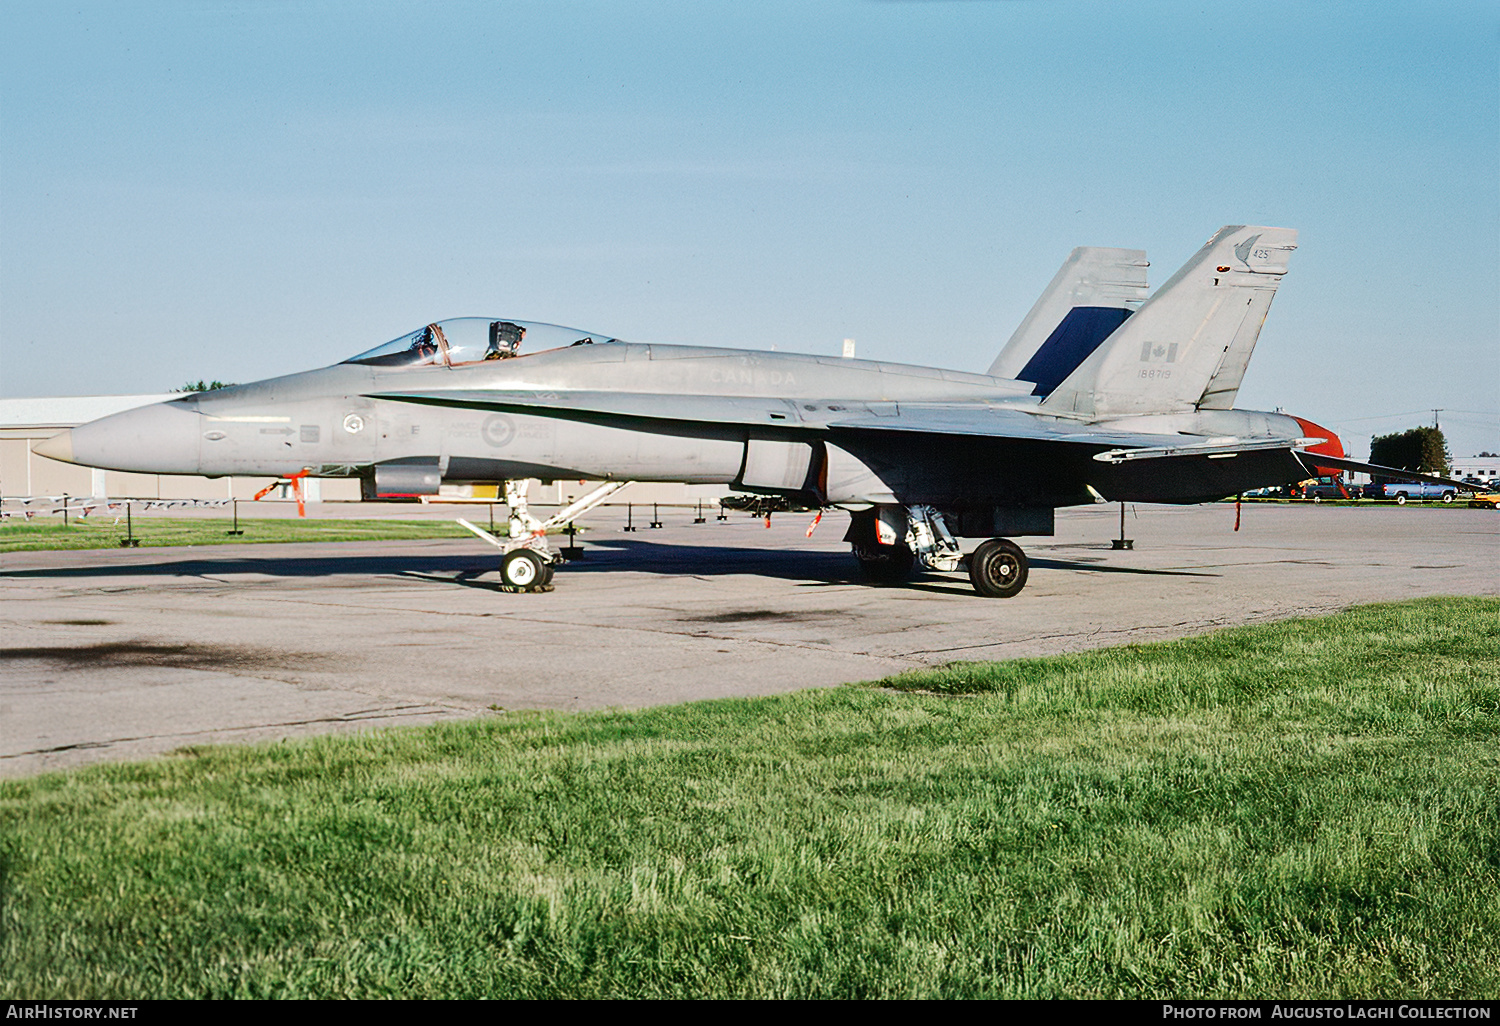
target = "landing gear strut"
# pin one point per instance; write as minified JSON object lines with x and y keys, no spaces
{"x":928,"y":536}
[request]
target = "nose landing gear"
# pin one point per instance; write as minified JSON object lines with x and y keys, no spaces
{"x":528,"y":560}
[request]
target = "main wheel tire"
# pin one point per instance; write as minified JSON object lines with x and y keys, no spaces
{"x":885,"y":563}
{"x":524,"y":569}
{"x":998,"y":568}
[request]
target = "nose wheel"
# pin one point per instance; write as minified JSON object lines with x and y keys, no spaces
{"x":524,"y":570}
{"x":998,"y":568}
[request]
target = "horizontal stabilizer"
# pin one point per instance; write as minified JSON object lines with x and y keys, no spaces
{"x":1313,"y":461}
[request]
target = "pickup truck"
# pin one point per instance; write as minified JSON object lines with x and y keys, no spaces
{"x":1328,"y":488}
{"x":1403,"y":490}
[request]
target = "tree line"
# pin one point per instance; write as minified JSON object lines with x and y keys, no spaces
{"x":1421,"y":449}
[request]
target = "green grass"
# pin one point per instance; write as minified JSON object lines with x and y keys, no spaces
{"x":1302,"y":809}
{"x":99,"y":531}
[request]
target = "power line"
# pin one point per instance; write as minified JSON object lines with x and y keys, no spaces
{"x":1418,"y":413}
{"x":1388,"y":416}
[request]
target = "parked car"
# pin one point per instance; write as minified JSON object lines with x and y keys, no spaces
{"x":1484,"y":500}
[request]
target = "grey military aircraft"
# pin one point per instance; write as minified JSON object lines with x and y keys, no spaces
{"x":1102,"y":394}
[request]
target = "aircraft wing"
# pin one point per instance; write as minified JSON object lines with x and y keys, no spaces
{"x":952,"y":451}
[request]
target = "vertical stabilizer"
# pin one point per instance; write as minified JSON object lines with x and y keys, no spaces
{"x":1188,"y":346}
{"x":1090,"y":296}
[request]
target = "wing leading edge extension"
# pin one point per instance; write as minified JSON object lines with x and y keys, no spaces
{"x":789,"y":418}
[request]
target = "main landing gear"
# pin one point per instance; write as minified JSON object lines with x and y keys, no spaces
{"x":997,"y":569}
{"x":528,"y":561}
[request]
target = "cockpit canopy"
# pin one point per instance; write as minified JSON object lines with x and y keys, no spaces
{"x":467,"y":340}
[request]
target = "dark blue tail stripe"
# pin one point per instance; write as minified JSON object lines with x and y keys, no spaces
{"x":1070,"y":343}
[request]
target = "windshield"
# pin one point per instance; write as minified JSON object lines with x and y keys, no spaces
{"x":466,"y":340}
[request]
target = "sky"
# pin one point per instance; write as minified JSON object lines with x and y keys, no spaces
{"x":235,"y":190}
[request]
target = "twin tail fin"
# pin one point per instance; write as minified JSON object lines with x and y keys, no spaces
{"x":1187,"y":347}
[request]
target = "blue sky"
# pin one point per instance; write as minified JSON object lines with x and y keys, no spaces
{"x":237,"y":190}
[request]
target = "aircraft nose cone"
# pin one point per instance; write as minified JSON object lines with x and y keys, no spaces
{"x":159,"y":439}
{"x":58,"y":447}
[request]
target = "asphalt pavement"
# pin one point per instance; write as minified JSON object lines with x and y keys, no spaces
{"x":124,"y":653}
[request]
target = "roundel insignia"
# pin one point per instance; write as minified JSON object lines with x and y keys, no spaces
{"x":498,"y":430}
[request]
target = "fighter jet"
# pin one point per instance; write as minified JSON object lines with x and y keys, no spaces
{"x":1101,"y":395}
